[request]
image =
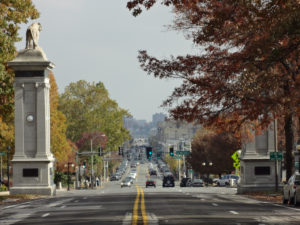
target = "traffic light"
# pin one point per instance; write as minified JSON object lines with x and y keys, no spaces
{"x":149,"y":152}
{"x":84,"y":164}
{"x":120,"y":151}
{"x":171,"y":151}
{"x":158,"y":156}
{"x":100,"y":153}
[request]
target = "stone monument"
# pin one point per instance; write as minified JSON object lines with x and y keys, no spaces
{"x":257,"y":170}
{"x":32,"y":162}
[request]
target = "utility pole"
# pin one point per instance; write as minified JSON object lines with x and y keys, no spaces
{"x":77,"y":174}
{"x":92,"y":165}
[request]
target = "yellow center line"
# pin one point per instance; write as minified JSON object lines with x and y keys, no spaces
{"x":143,"y":208}
{"x":135,"y":215}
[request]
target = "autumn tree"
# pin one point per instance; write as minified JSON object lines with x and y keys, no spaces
{"x":88,"y":108}
{"x":60,"y":146}
{"x":215,"y":148}
{"x":12,"y":14}
{"x":247,"y":68}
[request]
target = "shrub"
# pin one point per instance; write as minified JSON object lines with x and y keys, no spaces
{"x":3,"y":188}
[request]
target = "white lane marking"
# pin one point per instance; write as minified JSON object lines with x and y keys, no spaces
{"x":215,"y":204}
{"x":127,"y":219}
{"x":152,"y":219}
{"x":63,"y":206}
{"x":234,"y":212}
{"x":45,"y":215}
{"x":76,"y":201}
{"x":59,"y":202}
{"x":7,"y":207}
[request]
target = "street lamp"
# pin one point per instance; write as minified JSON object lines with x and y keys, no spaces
{"x":208,"y":164}
{"x":69,"y":178}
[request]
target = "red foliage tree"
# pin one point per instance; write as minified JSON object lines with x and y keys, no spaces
{"x":248,"y":68}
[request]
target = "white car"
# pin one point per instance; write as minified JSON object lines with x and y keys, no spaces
{"x":291,"y":190}
{"x":133,"y":175}
{"x":225,"y":180}
{"x":126,"y":182}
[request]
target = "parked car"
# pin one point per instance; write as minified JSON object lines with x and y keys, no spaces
{"x":168,"y":181}
{"x":186,"y":182}
{"x":126,"y":182}
{"x":151,"y":183}
{"x":225,"y":180}
{"x":291,"y":190}
{"x":197,"y":183}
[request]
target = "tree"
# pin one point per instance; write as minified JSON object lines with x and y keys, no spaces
{"x":248,"y":66}
{"x":88,"y":108}
{"x":98,"y":139}
{"x":60,"y":146}
{"x":215,"y":148}
{"x":12,"y":14}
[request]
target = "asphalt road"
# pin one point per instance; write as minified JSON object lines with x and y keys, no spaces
{"x":139,"y":205}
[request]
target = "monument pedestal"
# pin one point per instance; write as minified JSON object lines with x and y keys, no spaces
{"x":33,"y":160}
{"x":257,"y":170}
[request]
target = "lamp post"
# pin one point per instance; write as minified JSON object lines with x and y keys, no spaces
{"x":69,"y":178}
{"x":208,"y":164}
{"x":8,"y":150}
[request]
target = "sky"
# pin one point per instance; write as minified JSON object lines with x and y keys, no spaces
{"x":99,"y":40}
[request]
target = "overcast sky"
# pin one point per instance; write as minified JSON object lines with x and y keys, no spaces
{"x":98,"y":40}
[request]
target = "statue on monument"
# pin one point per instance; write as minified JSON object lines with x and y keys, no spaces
{"x":32,"y":35}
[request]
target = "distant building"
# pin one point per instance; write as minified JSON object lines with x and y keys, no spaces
{"x":171,"y":132}
{"x":158,"y":117}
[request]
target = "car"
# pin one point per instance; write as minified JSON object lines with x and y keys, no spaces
{"x":133,"y":175}
{"x":113,"y":177}
{"x":291,"y":190}
{"x":225,"y":180}
{"x":186,"y":182}
{"x":130,"y":178}
{"x":153,"y":173}
{"x":151,"y":183}
{"x":126,"y":182}
{"x":197,"y":183}
{"x":168,"y":181}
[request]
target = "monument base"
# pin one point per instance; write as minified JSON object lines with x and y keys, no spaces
{"x":33,"y":176}
{"x":51,"y":190}
{"x":258,"y":175}
{"x":242,"y":189}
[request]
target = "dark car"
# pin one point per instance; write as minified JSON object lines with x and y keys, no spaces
{"x":153,"y":173}
{"x":186,"y":182}
{"x":168,"y":181}
{"x":151,"y":183}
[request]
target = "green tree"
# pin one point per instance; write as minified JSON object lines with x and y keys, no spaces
{"x":88,"y":108}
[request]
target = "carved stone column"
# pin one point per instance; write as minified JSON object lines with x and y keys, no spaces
{"x":32,"y":161}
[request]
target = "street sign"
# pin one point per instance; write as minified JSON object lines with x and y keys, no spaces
{"x":276,"y":156}
{"x":183,"y":152}
{"x":2,"y":153}
{"x":235,"y":156}
{"x":176,"y":157}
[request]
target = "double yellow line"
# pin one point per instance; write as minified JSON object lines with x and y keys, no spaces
{"x":135,"y":215}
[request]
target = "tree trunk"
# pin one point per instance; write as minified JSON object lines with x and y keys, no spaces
{"x":289,"y":145}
